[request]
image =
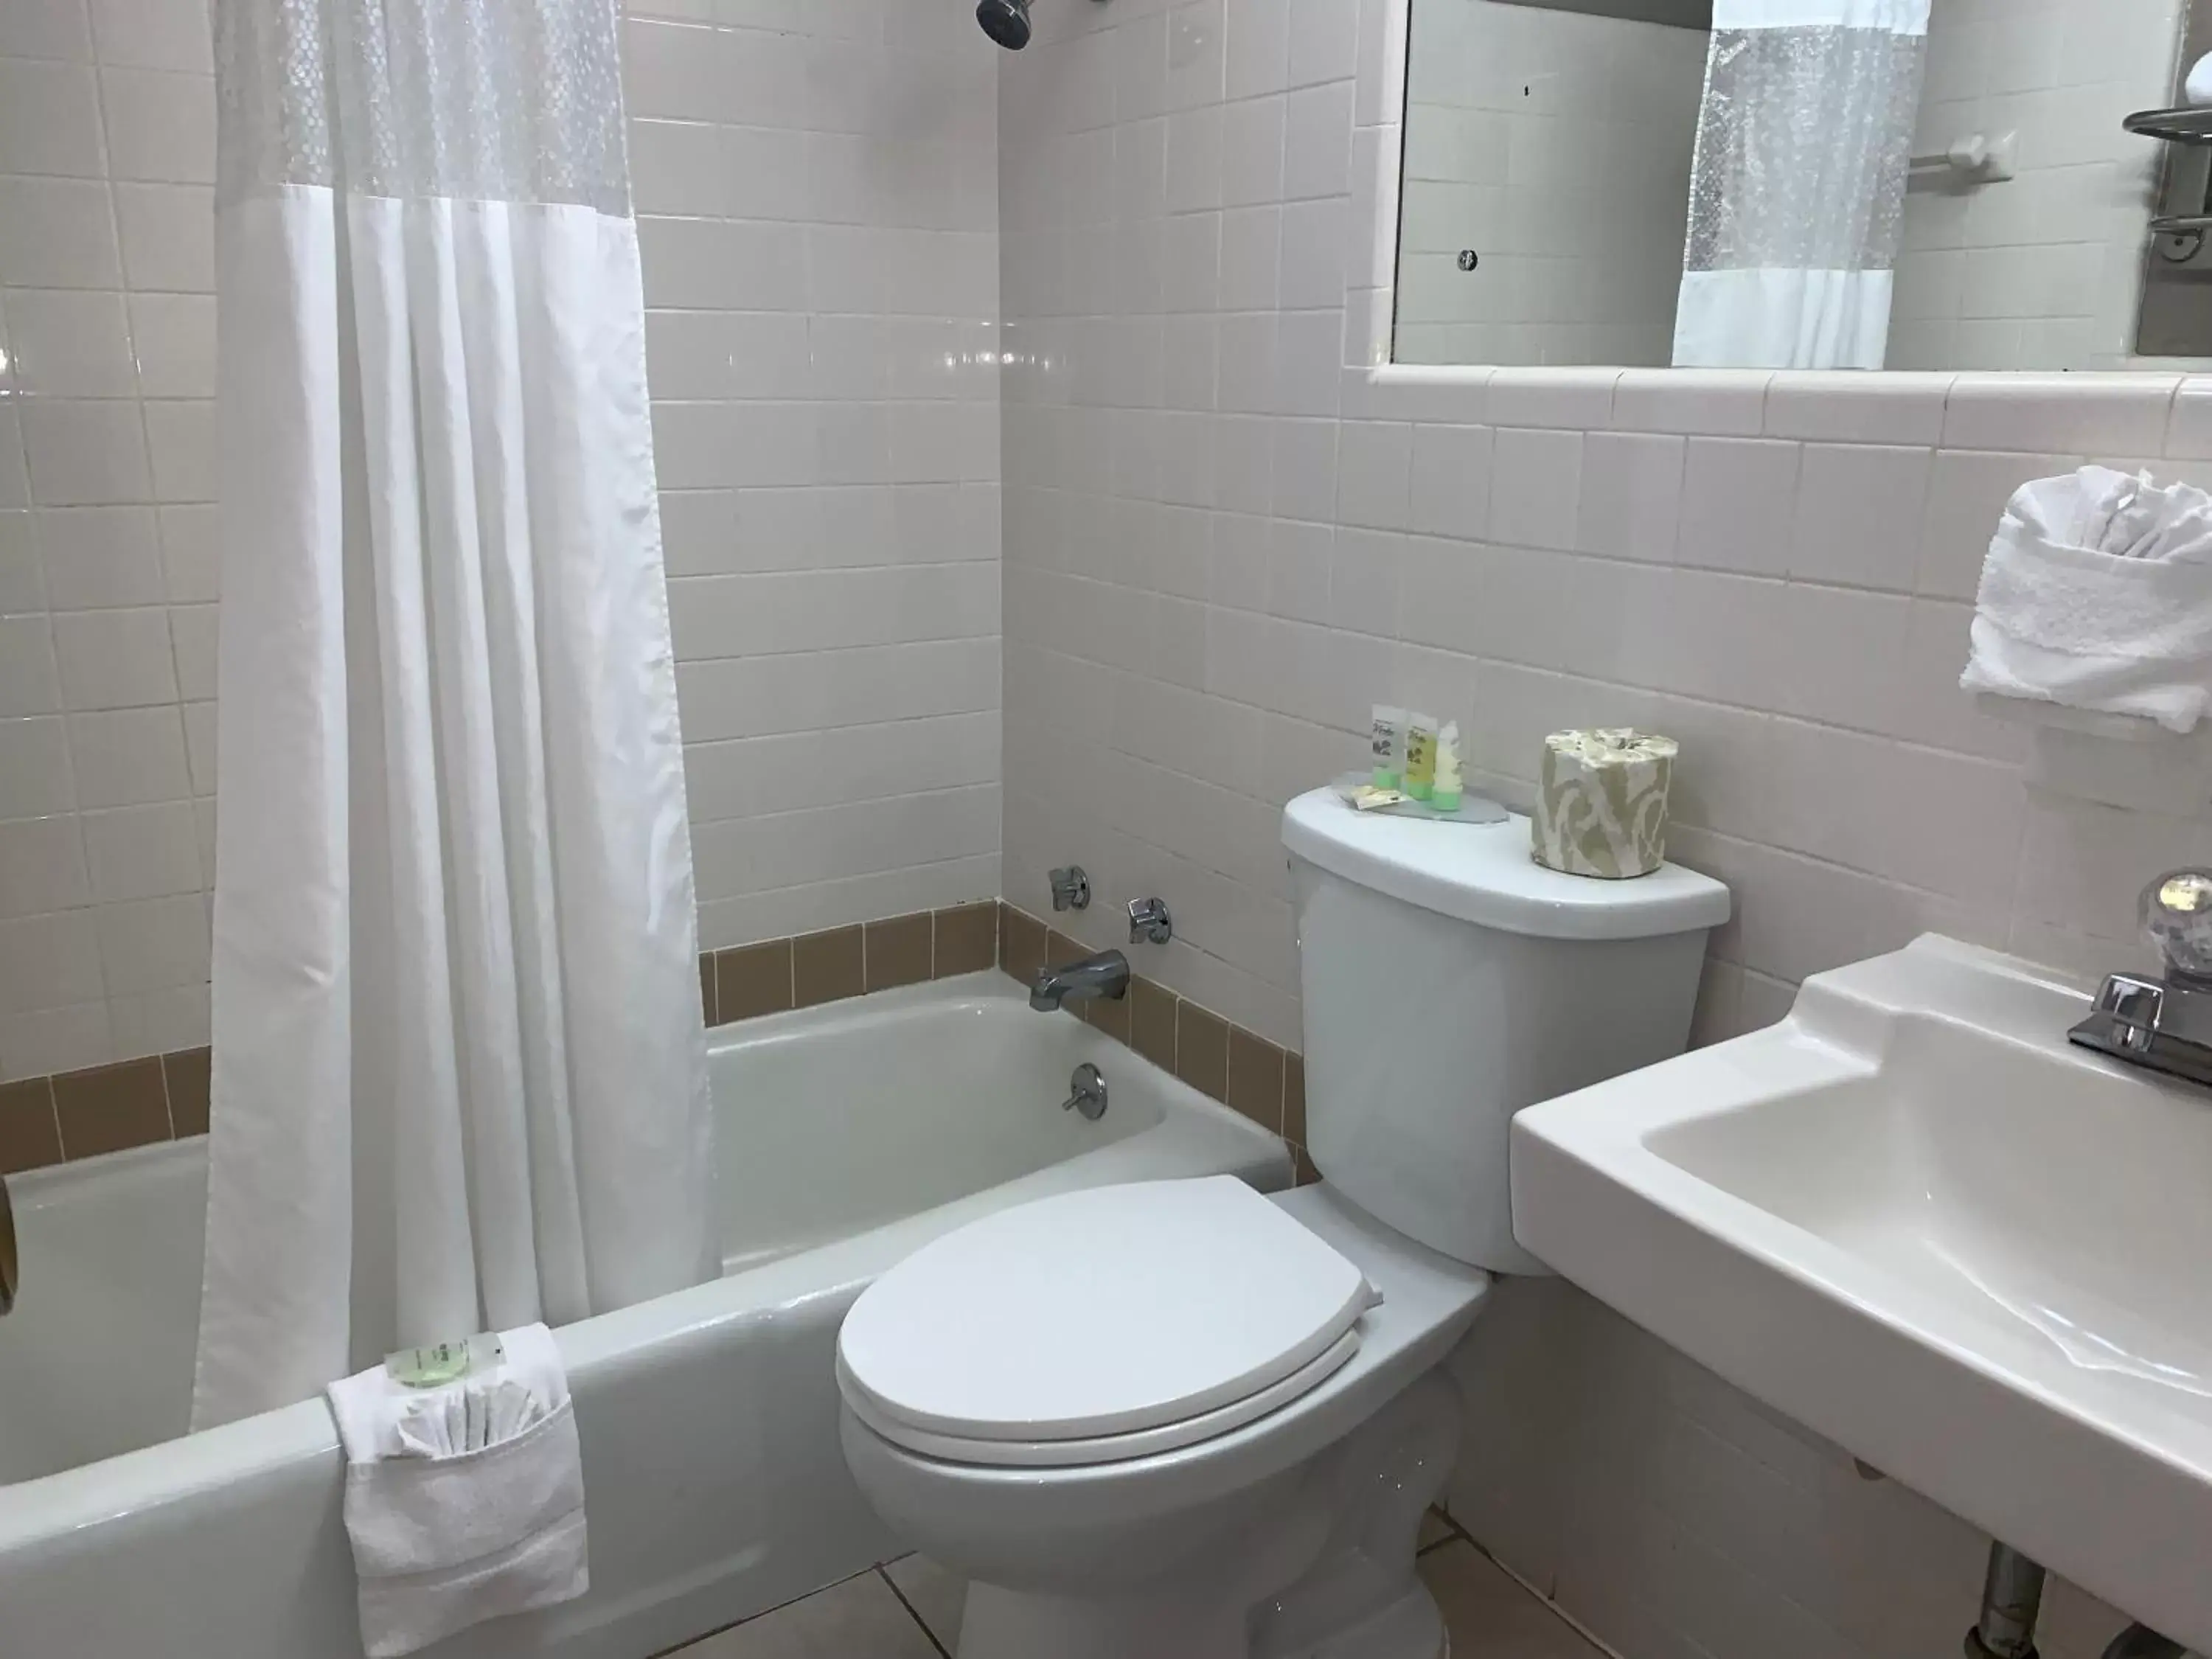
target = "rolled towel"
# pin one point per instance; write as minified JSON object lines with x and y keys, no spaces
{"x":2096,"y":595}
{"x":462,"y":1501}
{"x":2198,"y":88}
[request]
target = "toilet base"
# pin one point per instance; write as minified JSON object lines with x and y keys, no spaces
{"x":1328,"y":1574}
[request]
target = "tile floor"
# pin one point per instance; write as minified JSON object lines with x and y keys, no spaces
{"x":910,"y":1609}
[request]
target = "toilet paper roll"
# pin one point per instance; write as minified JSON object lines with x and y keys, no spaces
{"x":1601,"y":808}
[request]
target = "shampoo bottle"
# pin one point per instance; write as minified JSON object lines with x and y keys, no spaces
{"x":1445,"y":797}
{"x":1420,"y":755}
{"x":1388,"y":747}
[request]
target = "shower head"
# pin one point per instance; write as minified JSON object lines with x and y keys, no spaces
{"x":1006,"y":21}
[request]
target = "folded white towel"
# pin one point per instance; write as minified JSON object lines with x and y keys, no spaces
{"x":2097,"y":595}
{"x":465,"y":1502}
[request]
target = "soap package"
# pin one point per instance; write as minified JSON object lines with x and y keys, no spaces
{"x":1602,"y":803}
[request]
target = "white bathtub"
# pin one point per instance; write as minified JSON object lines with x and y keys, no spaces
{"x":849,"y":1135}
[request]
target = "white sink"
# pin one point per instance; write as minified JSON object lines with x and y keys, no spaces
{"x":1915,"y":1219}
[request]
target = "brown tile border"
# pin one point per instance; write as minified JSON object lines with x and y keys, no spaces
{"x":777,"y":975}
{"x":1239,"y":1068}
{"x":30,"y":1133}
{"x":45,"y":1120}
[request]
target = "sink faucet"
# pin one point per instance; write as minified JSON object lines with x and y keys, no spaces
{"x":1106,"y":974}
{"x":2163,"y":1024}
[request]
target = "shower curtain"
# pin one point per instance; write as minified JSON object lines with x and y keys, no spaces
{"x":459,"y":1074}
{"x":1797,"y":194}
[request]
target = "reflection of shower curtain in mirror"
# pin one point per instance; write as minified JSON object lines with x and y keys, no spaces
{"x":1797,"y":198}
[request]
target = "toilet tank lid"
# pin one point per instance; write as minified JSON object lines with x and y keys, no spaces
{"x":1484,"y":873}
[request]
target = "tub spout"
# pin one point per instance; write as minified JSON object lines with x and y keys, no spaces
{"x":1106,"y":974}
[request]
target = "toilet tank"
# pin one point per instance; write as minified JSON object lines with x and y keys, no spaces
{"x":1448,"y":981}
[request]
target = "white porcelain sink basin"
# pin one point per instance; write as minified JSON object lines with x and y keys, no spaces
{"x":1916,"y":1221}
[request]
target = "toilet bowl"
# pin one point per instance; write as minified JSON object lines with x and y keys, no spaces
{"x":1182,"y":1421}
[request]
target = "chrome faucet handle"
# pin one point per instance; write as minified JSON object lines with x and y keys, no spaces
{"x":1071,"y":889}
{"x":2176,"y":911}
{"x":2135,"y":1008}
{"x":1149,"y":923}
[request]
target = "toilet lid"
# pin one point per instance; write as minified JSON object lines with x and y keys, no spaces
{"x":1100,"y":1312}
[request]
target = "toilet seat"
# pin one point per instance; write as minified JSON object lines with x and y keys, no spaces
{"x":1113,"y":1448}
{"x":1101,"y":1325}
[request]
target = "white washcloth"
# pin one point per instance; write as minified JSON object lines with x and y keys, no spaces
{"x":465,"y":1502}
{"x":2097,"y":595}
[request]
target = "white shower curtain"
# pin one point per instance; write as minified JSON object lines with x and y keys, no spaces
{"x":459,"y":1077}
{"x":1797,"y":194}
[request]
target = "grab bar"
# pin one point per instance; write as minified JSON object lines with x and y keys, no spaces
{"x":9,"y":1267}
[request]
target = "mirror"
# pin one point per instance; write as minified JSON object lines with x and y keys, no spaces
{"x":1807,"y":184}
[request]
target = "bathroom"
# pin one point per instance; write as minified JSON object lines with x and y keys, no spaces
{"x":1038,"y":488}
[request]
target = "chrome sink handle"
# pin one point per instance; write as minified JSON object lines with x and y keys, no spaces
{"x":2164,"y":1024}
{"x":1149,"y":922}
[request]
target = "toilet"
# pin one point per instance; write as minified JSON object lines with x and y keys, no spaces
{"x":1183,"y":1419}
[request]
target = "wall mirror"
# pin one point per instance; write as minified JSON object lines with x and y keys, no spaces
{"x":1807,"y":184}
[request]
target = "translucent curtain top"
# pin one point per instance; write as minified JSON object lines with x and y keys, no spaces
{"x":517,"y":101}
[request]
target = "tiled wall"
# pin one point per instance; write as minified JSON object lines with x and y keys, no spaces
{"x":107,"y":541}
{"x":1225,"y":541}
{"x":2043,"y":270}
{"x":816,"y":192}
{"x":1556,"y":147}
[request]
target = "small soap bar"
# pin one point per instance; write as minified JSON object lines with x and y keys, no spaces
{"x":1602,"y":803}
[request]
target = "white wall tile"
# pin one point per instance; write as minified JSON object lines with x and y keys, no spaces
{"x":1258,"y":49}
{"x":129,"y":758}
{"x":164,"y":34}
{"x":1739,"y":505}
{"x":98,"y":557}
{"x":42,"y":865}
{"x":1859,"y":511}
{"x":161,"y":127}
{"x":85,"y":453}
{"x":1317,"y":142}
{"x":48,"y":962}
{"x":1632,"y":500}
{"x":173,"y":336}
{"x":50,"y":118}
{"x":1252,"y":152}
{"x":1450,"y":480}
{"x":141,"y":852}
{"x":57,"y":232}
{"x":114,"y":658}
{"x":168,"y":233}
{"x":29,"y":682}
{"x":70,"y":343}
{"x":35,"y":768}
{"x":1535,"y":494}
{"x":46,"y":29}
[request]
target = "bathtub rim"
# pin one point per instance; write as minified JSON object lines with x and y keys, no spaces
{"x":1196,"y":1130}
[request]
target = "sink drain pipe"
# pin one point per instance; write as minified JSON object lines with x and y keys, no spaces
{"x":2012,"y":1601}
{"x":2011,"y":1598}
